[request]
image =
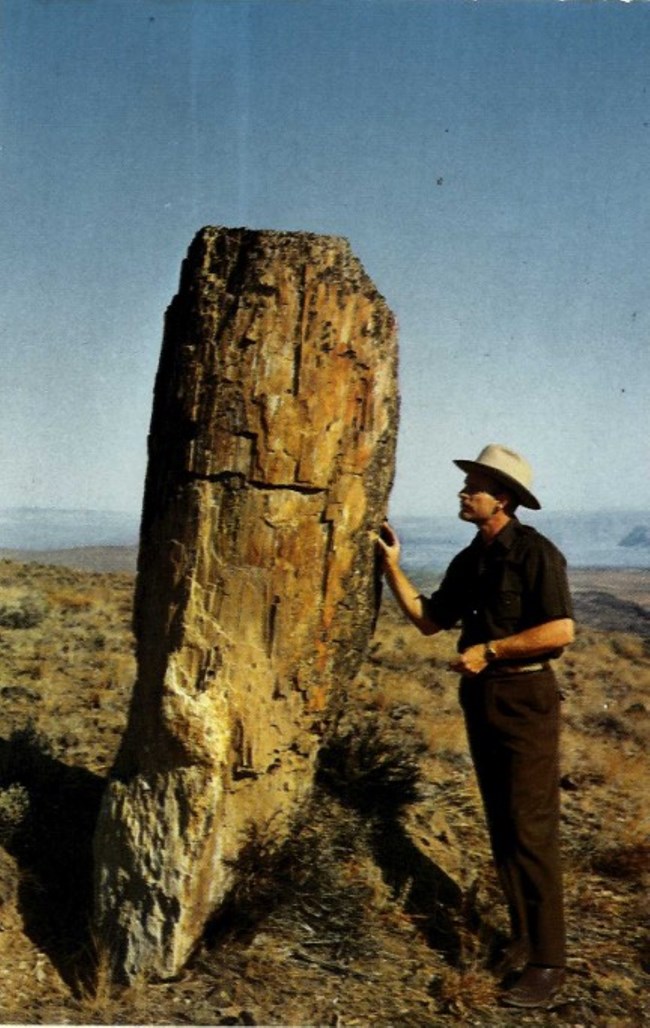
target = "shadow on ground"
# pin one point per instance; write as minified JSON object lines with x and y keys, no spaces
{"x":375,"y":770}
{"x":52,"y":845}
{"x":429,"y":895}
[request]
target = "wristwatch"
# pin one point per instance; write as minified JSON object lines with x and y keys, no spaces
{"x":489,"y":652}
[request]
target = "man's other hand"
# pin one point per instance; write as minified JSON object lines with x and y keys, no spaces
{"x":470,"y":662}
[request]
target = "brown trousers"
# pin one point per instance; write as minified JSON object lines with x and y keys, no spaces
{"x":513,"y":731}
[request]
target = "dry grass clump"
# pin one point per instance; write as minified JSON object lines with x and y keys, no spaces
{"x":21,"y":609}
{"x":25,"y":755}
{"x":626,"y":861}
{"x":630,"y":647}
{"x":14,"y":807}
{"x":371,"y":764}
{"x":69,"y":599}
{"x":464,"y":992}
{"x":314,"y":888}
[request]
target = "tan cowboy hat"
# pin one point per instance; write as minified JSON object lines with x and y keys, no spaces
{"x":507,"y":467}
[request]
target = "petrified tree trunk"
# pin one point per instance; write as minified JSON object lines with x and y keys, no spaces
{"x":270,"y":463}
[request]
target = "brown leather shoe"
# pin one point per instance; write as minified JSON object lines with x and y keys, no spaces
{"x":535,"y":987}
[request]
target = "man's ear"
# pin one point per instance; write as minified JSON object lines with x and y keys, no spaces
{"x":507,"y":501}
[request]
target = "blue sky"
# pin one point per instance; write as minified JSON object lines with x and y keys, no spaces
{"x":489,"y":163}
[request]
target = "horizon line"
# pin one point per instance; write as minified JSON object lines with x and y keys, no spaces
{"x":435,"y":512}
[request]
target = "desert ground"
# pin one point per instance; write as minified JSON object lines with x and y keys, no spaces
{"x":382,"y":909}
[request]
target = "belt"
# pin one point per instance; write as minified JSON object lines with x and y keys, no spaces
{"x":515,"y":669}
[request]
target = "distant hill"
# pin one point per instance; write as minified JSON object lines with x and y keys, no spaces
{"x":45,"y":529}
{"x":80,"y":558}
{"x":639,"y":536}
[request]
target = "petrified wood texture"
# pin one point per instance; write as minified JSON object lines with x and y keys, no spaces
{"x":270,"y":463}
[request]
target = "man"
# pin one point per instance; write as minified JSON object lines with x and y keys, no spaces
{"x":508,"y":589}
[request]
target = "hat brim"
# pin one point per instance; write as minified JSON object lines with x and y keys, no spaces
{"x":524,"y":496}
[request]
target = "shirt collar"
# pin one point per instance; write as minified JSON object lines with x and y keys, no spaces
{"x":503,"y":541}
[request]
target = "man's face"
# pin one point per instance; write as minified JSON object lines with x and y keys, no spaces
{"x":478,"y":498}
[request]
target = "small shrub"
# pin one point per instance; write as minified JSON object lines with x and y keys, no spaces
{"x":313,"y":883}
{"x":607,"y":724}
{"x":630,"y":647}
{"x":626,"y":862}
{"x":460,"y":992}
{"x":26,"y":754}
{"x":372,"y":765}
{"x":97,"y":641}
{"x":14,"y":807}
{"x":21,"y":610}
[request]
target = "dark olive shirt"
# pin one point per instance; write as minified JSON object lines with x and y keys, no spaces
{"x":518,"y":581}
